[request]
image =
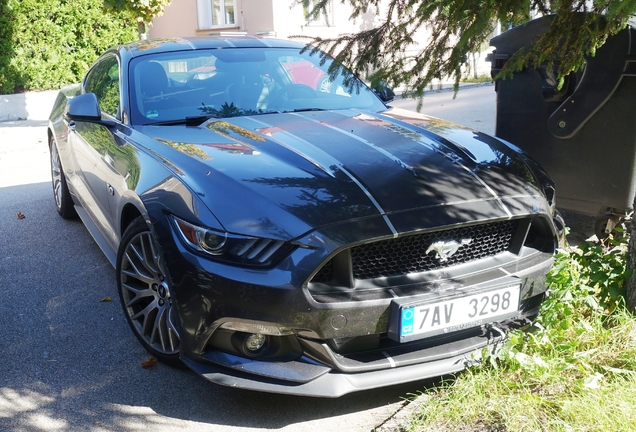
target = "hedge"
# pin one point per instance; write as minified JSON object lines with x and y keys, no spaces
{"x":45,"y":44}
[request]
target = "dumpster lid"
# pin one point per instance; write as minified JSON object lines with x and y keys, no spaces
{"x":520,"y":36}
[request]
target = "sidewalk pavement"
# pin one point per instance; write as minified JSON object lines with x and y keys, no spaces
{"x":23,"y":146}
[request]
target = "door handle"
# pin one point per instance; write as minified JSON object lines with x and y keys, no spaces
{"x":111,"y":190}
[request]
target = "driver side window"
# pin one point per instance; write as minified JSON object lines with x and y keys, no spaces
{"x":103,"y":80}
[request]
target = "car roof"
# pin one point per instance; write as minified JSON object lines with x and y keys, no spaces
{"x":154,"y":46}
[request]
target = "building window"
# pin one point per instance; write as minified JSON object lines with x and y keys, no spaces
{"x":322,"y":20}
{"x":216,"y":13}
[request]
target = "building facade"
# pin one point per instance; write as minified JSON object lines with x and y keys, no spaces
{"x":275,"y":18}
{"x":279,"y":18}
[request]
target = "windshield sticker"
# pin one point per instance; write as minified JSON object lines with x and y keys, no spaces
{"x":152,"y":114}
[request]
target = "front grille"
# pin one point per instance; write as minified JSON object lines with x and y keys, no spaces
{"x":404,"y":255}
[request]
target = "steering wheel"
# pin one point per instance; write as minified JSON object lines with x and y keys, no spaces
{"x":290,"y":92}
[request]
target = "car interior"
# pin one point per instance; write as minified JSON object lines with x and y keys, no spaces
{"x":226,"y":84}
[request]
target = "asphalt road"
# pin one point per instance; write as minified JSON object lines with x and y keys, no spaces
{"x":69,"y":361}
{"x":473,"y":107}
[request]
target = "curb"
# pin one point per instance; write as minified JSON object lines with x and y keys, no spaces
{"x":462,"y":86}
{"x":443,"y":88}
{"x":27,"y":106}
{"x":448,"y":87}
{"x":401,"y":420}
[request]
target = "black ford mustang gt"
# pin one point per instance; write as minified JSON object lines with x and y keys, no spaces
{"x":284,"y":238}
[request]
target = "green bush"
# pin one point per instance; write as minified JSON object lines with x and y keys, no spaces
{"x":7,"y":74}
{"x":574,"y":370}
{"x":48,"y":43}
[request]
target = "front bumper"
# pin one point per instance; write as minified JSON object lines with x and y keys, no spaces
{"x":209,"y":294}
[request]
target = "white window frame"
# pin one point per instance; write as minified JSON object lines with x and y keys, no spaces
{"x":322,"y":20}
{"x":205,"y":17}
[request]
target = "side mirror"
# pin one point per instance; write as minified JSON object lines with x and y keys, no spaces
{"x":84,"y":107}
{"x":385,"y":93}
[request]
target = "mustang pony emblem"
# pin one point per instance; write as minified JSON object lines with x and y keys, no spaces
{"x":445,"y":250}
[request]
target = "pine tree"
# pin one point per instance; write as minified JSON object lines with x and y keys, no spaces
{"x":386,"y":53}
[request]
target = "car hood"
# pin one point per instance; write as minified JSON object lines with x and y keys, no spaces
{"x":282,"y":175}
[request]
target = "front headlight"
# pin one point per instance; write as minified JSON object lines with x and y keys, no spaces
{"x":232,"y":248}
{"x":201,"y":239}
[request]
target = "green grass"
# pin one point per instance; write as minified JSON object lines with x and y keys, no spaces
{"x":574,"y":371}
{"x":483,"y":78}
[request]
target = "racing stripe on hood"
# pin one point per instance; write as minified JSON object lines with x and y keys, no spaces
{"x":455,"y":147}
{"x":295,"y":144}
{"x":320,"y":168}
{"x":387,"y":145}
{"x":378,"y":157}
{"x":364,"y":141}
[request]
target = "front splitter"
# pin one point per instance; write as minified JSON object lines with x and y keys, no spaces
{"x":335,"y":384}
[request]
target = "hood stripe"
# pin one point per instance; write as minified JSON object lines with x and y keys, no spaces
{"x":327,"y":170}
{"x":456,"y":161}
{"x":420,"y":141}
{"x":362,"y":140}
{"x":488,"y":188}
{"x":373,"y":200}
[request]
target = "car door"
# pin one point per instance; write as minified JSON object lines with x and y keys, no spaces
{"x":91,"y":143}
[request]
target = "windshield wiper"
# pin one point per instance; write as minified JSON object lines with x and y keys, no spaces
{"x":199,"y":120}
{"x":188,"y":121}
{"x":308,"y":109}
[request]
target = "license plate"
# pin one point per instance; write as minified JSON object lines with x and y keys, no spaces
{"x":417,"y":321}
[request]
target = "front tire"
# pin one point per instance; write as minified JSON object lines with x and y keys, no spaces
{"x":145,"y":293}
{"x":63,"y":200}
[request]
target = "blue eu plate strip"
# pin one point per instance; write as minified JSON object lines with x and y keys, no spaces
{"x":407,"y":321}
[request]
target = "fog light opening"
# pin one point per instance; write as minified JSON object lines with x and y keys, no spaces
{"x":254,"y":343}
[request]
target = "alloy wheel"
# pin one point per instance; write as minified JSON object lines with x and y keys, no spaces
{"x":56,"y":176}
{"x":146,"y":296}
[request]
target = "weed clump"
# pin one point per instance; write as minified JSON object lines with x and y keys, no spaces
{"x":575,"y":369}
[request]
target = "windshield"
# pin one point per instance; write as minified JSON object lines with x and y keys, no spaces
{"x":231,"y":82}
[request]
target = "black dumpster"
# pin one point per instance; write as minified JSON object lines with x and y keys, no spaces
{"x":583,"y":134}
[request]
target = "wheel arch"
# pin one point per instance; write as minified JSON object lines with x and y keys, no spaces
{"x":128,"y":214}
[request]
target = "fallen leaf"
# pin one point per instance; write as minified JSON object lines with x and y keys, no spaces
{"x":21,"y":216}
{"x":105,"y":299}
{"x":149,"y":362}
